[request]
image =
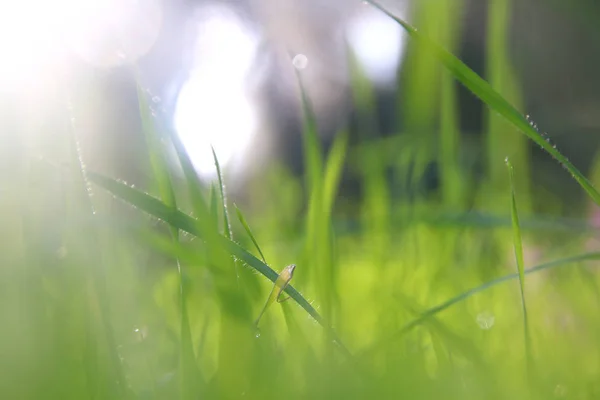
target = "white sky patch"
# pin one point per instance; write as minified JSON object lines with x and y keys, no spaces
{"x":378,"y":43}
{"x":213,"y":107}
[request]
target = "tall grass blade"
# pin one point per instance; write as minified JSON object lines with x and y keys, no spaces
{"x":492,"y":99}
{"x":189,"y":373}
{"x":333,"y":170}
{"x":157,"y":161}
{"x":501,"y":138}
{"x":312,"y":148}
{"x":518,"y":246}
{"x":244,"y":223}
{"x":191,"y":177}
{"x":226,"y":224}
{"x":85,"y":208}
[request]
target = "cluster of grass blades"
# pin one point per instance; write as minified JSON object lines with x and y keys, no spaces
{"x":395,"y":315}
{"x":484,"y":91}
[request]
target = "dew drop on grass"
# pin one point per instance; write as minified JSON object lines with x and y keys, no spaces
{"x":257,"y":333}
{"x":155,"y":99}
{"x":61,"y":252}
{"x":300,"y":61}
{"x":140,"y":333}
{"x":560,"y":390}
{"x":486,"y":320}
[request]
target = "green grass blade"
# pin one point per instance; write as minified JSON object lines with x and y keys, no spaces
{"x":97,"y":272}
{"x":518,"y":246}
{"x":471,"y":292}
{"x":226,"y":224}
{"x":244,"y":223}
{"x":157,"y":162}
{"x":193,"y":181}
{"x":189,"y":371}
{"x":214,"y":206}
{"x":333,"y":170}
{"x":492,"y":99}
{"x":501,"y":138}
{"x":312,"y":158}
{"x":184,"y":222}
{"x":317,"y":254}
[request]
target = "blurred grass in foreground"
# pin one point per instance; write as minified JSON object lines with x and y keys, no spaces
{"x":417,"y":300}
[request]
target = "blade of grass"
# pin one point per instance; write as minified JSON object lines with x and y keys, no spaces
{"x":81,"y":183}
{"x":471,"y":292}
{"x":189,"y":372}
{"x":158,"y":164}
{"x":184,"y":222}
{"x":214,"y":206}
{"x":317,"y":252}
{"x":492,"y":99}
{"x":226,"y":224}
{"x":518,"y":246}
{"x":313,"y":160}
{"x":333,"y":170}
{"x":325,"y":244}
{"x":244,"y":223}
{"x":501,"y":138}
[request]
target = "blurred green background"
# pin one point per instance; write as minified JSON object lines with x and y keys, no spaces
{"x":423,"y":270}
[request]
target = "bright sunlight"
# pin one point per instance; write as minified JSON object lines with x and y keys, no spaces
{"x":213,"y":108}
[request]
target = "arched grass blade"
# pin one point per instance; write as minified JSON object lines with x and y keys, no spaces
{"x":244,"y":223}
{"x":492,"y":99}
{"x":184,"y":222}
{"x":469,"y":293}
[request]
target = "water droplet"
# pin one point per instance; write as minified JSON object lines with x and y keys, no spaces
{"x":300,"y":61}
{"x":136,"y":330}
{"x":560,"y":390}
{"x":61,"y":252}
{"x":257,"y":334}
{"x":485,"y":320}
{"x":155,"y":99}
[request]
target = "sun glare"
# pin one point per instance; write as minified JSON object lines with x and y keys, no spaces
{"x":213,"y":108}
{"x":378,"y":43}
{"x":37,"y":35}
